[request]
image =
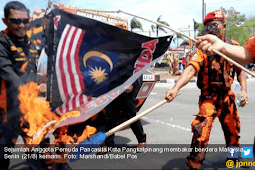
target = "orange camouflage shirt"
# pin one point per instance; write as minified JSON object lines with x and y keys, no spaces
{"x":250,"y":46}
{"x":213,"y":72}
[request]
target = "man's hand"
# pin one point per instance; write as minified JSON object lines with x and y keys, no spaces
{"x":244,"y":100}
{"x":171,"y":94}
{"x":129,"y":89}
{"x":209,"y":42}
{"x":42,"y":88}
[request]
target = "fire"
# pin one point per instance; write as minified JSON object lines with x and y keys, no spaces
{"x":37,"y":113}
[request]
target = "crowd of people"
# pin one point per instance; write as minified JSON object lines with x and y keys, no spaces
{"x":175,"y":64}
{"x":18,"y":65}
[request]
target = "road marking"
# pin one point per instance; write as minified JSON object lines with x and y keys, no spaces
{"x":168,"y":124}
{"x":171,"y":85}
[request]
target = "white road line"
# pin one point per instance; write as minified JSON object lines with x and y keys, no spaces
{"x":168,"y":124}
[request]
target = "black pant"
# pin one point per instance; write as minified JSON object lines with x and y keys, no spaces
{"x":9,"y":132}
{"x":126,"y":104}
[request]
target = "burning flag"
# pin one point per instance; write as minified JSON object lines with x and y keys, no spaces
{"x":37,"y":113}
{"x":38,"y":120}
{"x":89,"y":64}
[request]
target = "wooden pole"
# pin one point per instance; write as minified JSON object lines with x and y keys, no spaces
{"x":215,"y":51}
{"x":135,"y":118}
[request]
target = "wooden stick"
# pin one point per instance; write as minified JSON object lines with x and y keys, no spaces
{"x":135,"y":118}
{"x":233,"y":62}
{"x":178,"y":32}
{"x":158,"y":24}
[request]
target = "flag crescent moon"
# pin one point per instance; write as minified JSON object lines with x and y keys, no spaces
{"x":99,"y":55}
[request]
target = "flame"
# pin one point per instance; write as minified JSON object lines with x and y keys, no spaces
{"x":36,"y":112}
{"x":62,"y":139}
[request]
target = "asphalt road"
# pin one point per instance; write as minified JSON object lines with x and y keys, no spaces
{"x":169,"y":126}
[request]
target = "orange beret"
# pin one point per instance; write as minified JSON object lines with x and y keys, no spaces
{"x":215,"y":15}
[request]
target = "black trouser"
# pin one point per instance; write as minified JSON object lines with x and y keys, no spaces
{"x":126,"y":104}
{"x":9,"y":132}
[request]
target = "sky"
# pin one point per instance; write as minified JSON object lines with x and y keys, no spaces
{"x":179,"y":14}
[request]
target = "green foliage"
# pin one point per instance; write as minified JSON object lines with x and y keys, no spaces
{"x":179,"y":36}
{"x":233,"y":17}
{"x":240,"y":34}
{"x":136,"y":24}
{"x":199,"y":27}
{"x":238,"y":27}
{"x":201,"y":30}
{"x":196,"y":25}
{"x":159,"y":27}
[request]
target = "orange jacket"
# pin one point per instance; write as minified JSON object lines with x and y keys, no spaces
{"x":250,"y":46}
{"x":214,"y":72}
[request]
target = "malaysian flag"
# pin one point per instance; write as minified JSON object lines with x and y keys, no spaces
{"x":70,"y":79}
{"x":90,"y":63}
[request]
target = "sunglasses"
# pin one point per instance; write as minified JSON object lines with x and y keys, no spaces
{"x":18,"y":21}
{"x":213,"y":28}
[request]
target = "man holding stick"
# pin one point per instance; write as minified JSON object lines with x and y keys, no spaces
{"x":215,"y":76}
{"x":243,"y":55}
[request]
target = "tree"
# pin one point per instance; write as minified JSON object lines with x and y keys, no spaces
{"x":136,"y":24}
{"x":233,"y":17}
{"x":237,"y":28}
{"x":199,"y":27}
{"x":159,"y":27}
{"x":250,"y":23}
{"x":244,"y":31}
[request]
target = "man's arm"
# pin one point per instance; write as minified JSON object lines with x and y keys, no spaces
{"x":238,"y":53}
{"x":185,"y":77}
{"x":6,"y":68}
{"x":241,"y":77}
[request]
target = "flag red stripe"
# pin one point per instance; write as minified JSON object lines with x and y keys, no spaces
{"x":77,"y":63}
{"x":61,"y":67}
{"x":69,"y":68}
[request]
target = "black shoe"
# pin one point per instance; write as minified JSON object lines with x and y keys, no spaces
{"x":63,"y":166}
{"x":36,"y":164}
{"x":4,"y":163}
{"x":59,"y":166}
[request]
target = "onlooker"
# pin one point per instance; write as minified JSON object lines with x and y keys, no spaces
{"x":125,"y":103}
{"x":183,"y":62}
{"x":170,"y":60}
{"x":176,"y":65}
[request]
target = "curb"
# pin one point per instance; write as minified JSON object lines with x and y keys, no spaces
{"x":191,"y":81}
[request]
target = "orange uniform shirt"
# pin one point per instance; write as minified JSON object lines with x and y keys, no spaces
{"x":201,"y":63}
{"x":250,"y":46}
